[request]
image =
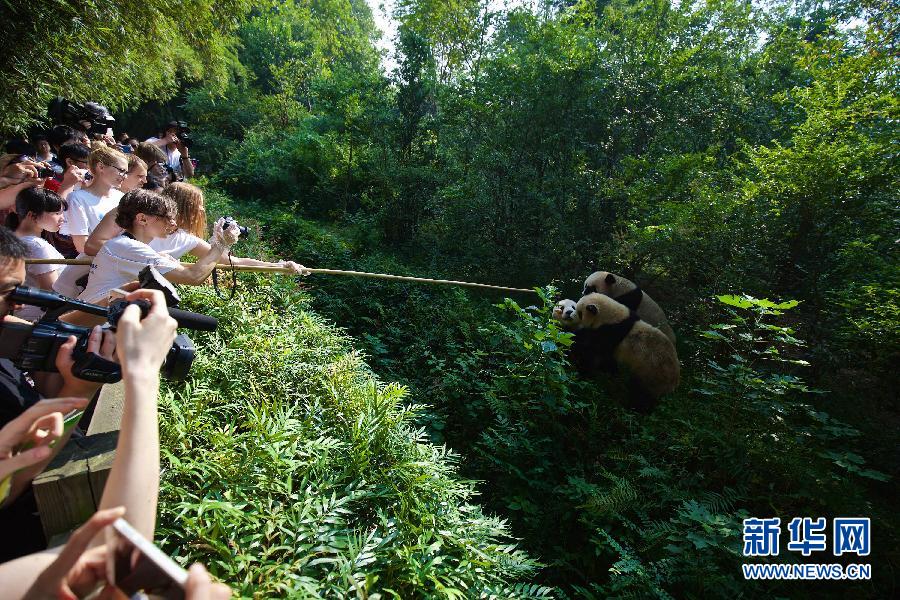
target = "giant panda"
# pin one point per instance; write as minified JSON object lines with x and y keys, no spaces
{"x":635,"y":344}
{"x":564,"y":312}
{"x":628,"y":293}
{"x":585,"y":353}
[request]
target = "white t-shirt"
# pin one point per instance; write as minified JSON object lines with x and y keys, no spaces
{"x":118,"y":262}
{"x":173,"y":156}
{"x":87,"y":210}
{"x":176,"y":245}
{"x":66,"y":282}
{"x":38,"y":247}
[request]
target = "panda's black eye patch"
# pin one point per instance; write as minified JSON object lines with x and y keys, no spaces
{"x":591,"y":289}
{"x":592,"y":309}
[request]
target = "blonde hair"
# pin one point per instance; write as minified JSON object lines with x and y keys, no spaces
{"x":191,"y":211}
{"x":106,"y":155}
{"x":135,"y":161}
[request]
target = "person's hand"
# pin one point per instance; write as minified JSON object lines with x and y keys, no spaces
{"x":20,"y":171}
{"x":231,"y":234}
{"x":101,"y":342}
{"x":39,"y":426}
{"x":225,"y":238}
{"x":296,"y":268}
{"x":200,"y":586}
{"x":76,"y":572}
{"x":142,"y":345}
{"x":72,"y":177}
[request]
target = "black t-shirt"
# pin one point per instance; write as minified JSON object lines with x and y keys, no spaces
{"x":19,"y":520}
{"x":17,"y":392}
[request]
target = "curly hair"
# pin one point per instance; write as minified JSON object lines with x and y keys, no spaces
{"x":146,"y":202}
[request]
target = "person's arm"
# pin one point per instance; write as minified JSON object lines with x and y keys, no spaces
{"x":106,"y":230}
{"x":187,"y":167}
{"x":75,"y":571}
{"x":46,"y":280}
{"x":79,"y":241}
{"x":142,"y":346}
{"x":163,"y":141}
{"x":77,"y":221}
{"x":10,"y":188}
{"x":197,"y":273}
{"x":203,"y":248}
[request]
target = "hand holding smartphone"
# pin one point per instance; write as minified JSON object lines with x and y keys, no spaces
{"x":138,"y":568}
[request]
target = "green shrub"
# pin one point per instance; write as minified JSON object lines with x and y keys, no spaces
{"x":292,"y":471}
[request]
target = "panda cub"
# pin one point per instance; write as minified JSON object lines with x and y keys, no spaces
{"x":628,"y":293}
{"x":564,"y":312}
{"x":589,"y":352}
{"x":643,"y":349}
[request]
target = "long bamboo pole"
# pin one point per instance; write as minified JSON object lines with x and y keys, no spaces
{"x":484,"y":286}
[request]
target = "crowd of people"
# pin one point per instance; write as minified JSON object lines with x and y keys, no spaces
{"x":124,"y":205}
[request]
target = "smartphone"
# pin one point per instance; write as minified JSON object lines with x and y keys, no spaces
{"x":138,"y":568}
{"x":71,"y":420}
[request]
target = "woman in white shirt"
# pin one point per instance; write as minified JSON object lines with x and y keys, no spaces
{"x":89,"y":205}
{"x":37,"y":210}
{"x":145,"y":215}
{"x":188,"y":238}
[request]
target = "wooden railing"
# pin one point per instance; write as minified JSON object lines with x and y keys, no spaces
{"x":68,"y":492}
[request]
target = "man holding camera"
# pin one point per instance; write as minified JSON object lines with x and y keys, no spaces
{"x":19,"y":390}
{"x":176,"y":148}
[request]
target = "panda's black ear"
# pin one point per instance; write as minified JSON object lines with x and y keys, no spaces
{"x":610,"y":278}
{"x":592,"y":308}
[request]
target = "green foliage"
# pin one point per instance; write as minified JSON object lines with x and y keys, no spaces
{"x":116,"y":53}
{"x":292,"y":472}
{"x":696,"y":148}
{"x":615,"y":506}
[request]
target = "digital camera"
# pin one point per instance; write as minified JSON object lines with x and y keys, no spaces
{"x":184,"y":134}
{"x":229,"y":221}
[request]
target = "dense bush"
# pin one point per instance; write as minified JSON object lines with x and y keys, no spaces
{"x":614,"y":505}
{"x":292,"y":471}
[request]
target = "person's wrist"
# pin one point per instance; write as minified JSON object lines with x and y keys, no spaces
{"x":141,"y":372}
{"x":79,"y":388}
{"x":220,"y":245}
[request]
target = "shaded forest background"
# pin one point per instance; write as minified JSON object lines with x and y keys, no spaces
{"x":698,"y":148}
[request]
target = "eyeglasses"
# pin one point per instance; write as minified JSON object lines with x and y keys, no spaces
{"x":122,"y":172}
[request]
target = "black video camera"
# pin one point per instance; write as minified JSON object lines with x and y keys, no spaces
{"x":34,"y":347}
{"x":66,"y":112}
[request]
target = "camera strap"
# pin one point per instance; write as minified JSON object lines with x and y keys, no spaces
{"x":215,"y":279}
{"x":93,"y":367}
